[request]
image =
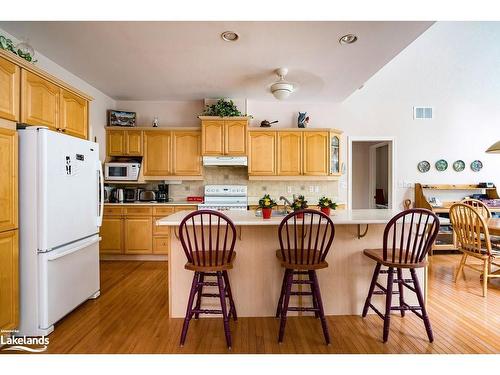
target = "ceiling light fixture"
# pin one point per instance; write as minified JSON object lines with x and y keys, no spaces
{"x":348,"y":39}
{"x":229,"y":36}
{"x":281,"y":89}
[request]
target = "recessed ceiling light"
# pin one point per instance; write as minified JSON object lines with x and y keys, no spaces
{"x":348,"y":39}
{"x":229,"y":36}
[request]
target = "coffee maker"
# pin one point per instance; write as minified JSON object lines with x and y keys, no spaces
{"x":162,"y":193}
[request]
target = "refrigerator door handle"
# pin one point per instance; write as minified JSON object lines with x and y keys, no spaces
{"x":73,"y":250}
{"x":101,"y":194}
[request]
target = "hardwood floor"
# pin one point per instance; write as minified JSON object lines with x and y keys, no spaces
{"x":131,"y":316}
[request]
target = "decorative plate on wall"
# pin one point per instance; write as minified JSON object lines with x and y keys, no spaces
{"x":424,"y":166}
{"x":441,"y":165}
{"x":459,"y":165}
{"x":476,"y":165}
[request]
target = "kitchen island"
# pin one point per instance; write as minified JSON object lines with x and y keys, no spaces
{"x":257,"y":275}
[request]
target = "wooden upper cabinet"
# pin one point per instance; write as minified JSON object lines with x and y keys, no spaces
{"x":40,"y":100}
{"x":124,"y":142}
{"x":235,"y":137}
{"x":186,"y":155}
{"x":74,"y":115}
{"x":262,"y":153}
{"x":289,"y":153}
{"x":8,"y":180}
{"x":157,"y":153}
{"x":212,"y":137}
{"x":9,"y":276}
{"x":115,"y":142}
{"x":10,"y":82}
{"x":335,"y":160}
{"x":133,"y":143}
{"x":316,"y":153}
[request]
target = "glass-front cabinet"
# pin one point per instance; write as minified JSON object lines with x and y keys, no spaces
{"x":335,"y":162}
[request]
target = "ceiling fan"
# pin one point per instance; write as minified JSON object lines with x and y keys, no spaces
{"x":281,"y":89}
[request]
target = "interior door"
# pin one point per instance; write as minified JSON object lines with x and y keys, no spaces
{"x":68,"y":188}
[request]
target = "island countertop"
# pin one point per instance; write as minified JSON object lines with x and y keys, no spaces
{"x":248,"y":218}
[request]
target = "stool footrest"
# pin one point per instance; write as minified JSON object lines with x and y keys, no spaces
{"x":211,"y":295}
{"x":302,"y":282}
{"x":383,"y":290}
{"x":406,"y":307}
{"x":208,"y":283}
{"x":387,"y":271}
{"x":301,"y":294}
{"x":311,"y":309}
{"x":206,"y":311}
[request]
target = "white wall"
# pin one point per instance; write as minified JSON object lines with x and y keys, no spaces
{"x":98,"y":107}
{"x":453,"y":67}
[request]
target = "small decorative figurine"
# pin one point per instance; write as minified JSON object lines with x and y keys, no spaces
{"x":155,"y":122}
{"x":267,"y":124}
{"x":302,"y":120}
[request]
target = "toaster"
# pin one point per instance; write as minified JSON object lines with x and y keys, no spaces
{"x":147,"y":195}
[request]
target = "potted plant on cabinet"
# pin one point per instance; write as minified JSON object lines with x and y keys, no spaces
{"x":326,"y":204}
{"x":266,"y":204}
{"x":298,"y":204}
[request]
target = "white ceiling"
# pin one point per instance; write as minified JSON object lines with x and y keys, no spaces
{"x":189,"y":60}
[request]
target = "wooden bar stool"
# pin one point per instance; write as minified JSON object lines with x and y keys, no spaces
{"x":305,"y":238}
{"x":408,"y":237}
{"x":208,"y":239}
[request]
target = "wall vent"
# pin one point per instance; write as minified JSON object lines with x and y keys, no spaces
{"x":422,"y":113}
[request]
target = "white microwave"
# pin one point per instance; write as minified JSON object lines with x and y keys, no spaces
{"x":121,"y":171}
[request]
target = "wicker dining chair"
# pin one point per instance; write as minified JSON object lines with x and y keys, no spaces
{"x":473,"y":239}
{"x":408,"y":237}
{"x":208,"y":239}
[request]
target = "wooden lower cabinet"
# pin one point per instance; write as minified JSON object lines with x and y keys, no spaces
{"x":133,"y":230}
{"x":138,"y":235}
{"x":111,"y":235}
{"x":9,"y":280}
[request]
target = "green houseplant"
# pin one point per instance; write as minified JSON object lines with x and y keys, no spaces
{"x":326,"y":204}
{"x":266,"y":204}
{"x":298,"y":204}
{"x":223,"y":108}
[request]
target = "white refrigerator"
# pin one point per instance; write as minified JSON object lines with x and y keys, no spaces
{"x":60,"y":211}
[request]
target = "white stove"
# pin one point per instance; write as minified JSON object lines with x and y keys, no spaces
{"x":225,"y":197}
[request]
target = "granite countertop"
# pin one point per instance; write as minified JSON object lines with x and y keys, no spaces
{"x":248,"y":218}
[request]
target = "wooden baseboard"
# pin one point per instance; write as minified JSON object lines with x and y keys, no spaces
{"x":144,"y":257}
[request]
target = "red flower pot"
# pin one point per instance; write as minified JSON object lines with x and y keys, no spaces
{"x":300,"y":215}
{"x":325,"y":210}
{"x":266,"y":213}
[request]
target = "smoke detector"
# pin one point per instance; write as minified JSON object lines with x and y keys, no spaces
{"x":281,"y":89}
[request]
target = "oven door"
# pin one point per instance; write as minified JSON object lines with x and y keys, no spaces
{"x":117,"y":172}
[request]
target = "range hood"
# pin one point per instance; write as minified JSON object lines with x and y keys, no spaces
{"x":225,"y":161}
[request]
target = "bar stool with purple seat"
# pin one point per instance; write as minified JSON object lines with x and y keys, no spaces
{"x":408,"y":237}
{"x":208,"y":238}
{"x":305,"y":238}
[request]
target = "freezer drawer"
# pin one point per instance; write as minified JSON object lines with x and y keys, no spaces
{"x":68,"y":277}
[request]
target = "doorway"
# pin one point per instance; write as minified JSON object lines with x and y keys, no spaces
{"x":371,"y":173}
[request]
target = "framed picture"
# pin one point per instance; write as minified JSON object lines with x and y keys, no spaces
{"x":121,"y":118}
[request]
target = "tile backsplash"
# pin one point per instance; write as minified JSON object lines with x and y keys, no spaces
{"x":256,"y":189}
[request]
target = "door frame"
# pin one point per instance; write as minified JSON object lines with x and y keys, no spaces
{"x":373,"y":173}
{"x":392,"y":169}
